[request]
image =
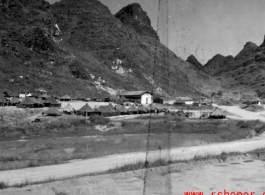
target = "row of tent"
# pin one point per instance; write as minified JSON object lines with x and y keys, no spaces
{"x":31,"y":99}
{"x":109,"y":110}
{"x":115,"y":110}
{"x":34,"y":102}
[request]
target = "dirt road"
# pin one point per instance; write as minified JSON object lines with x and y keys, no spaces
{"x":236,"y":174}
{"x":234,"y":112}
{"x":89,"y":166}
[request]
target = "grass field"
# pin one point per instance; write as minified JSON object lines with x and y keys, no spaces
{"x":129,"y":136}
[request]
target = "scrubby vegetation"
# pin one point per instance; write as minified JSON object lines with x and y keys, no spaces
{"x":27,"y":128}
{"x":139,"y":165}
{"x":161,"y":162}
{"x":57,"y":140}
{"x":98,"y":120}
{"x":3,"y":185}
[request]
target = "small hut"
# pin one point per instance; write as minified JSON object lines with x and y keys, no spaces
{"x":122,"y":109}
{"x":133,"y":110}
{"x":51,"y":102}
{"x":86,"y":110}
{"x":44,"y":96}
{"x":142,"y":109}
{"x":29,"y":102}
{"x":152,"y":108}
{"x":179,"y":102}
{"x":52,"y":111}
{"x":66,"y":98}
{"x":108,"y":111}
{"x":14,"y":101}
{"x":68,"y":109}
{"x":217,"y":114}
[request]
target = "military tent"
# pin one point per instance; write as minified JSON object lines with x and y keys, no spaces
{"x":179,"y":101}
{"x":51,"y":102}
{"x":133,"y":109}
{"x":44,"y":96}
{"x":66,"y":98}
{"x":52,"y":111}
{"x":160,"y":107}
{"x":29,"y":102}
{"x":68,"y":109}
{"x":14,"y":101}
{"x":142,"y":109}
{"x":108,"y":111}
{"x":122,"y":109}
{"x":217,"y":114}
{"x":86,"y":110}
{"x":151,"y":108}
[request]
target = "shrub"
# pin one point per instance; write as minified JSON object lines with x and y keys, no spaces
{"x":99,"y":120}
{"x":3,"y":185}
{"x":247,"y":124}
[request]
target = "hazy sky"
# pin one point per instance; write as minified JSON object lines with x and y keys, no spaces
{"x":204,"y":28}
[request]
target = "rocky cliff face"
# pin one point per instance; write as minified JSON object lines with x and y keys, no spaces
{"x":135,"y":17}
{"x":193,"y":60}
{"x":80,"y":48}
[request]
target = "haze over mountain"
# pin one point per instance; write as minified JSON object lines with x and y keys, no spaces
{"x":80,"y":48}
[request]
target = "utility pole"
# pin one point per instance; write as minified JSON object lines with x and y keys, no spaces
{"x":213,"y":101}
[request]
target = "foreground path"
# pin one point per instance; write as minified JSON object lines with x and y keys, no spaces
{"x":90,"y":166}
{"x":236,"y":174}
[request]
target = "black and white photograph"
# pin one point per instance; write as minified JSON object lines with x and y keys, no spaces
{"x":132,"y":97}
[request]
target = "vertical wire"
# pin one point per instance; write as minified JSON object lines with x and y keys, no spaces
{"x":168,"y":176}
{"x":150,"y":115}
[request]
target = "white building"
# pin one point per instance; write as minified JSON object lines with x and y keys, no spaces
{"x":174,"y":100}
{"x":186,"y":100}
{"x":143,"y":97}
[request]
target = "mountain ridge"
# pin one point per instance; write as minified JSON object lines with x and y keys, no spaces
{"x":79,"y":48}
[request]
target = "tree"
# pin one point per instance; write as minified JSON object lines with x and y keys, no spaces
{"x":220,"y":93}
{"x":213,"y":94}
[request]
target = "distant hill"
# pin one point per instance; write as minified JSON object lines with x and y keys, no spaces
{"x":193,"y":60}
{"x":216,"y":63}
{"x":79,"y":48}
{"x":135,"y":17}
{"x":246,"y":72}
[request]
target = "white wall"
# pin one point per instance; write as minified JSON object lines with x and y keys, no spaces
{"x":146,"y":98}
{"x":189,"y":102}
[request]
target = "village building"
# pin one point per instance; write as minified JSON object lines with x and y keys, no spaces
{"x":68,"y":109}
{"x":51,"y":102}
{"x":255,"y":101}
{"x":217,"y":114}
{"x":174,"y":100}
{"x":165,"y":100}
{"x":86,"y":110}
{"x":52,"y":111}
{"x":186,"y":100}
{"x":143,"y":97}
{"x":66,"y":98}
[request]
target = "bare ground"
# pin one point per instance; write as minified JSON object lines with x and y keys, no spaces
{"x":240,"y":173}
